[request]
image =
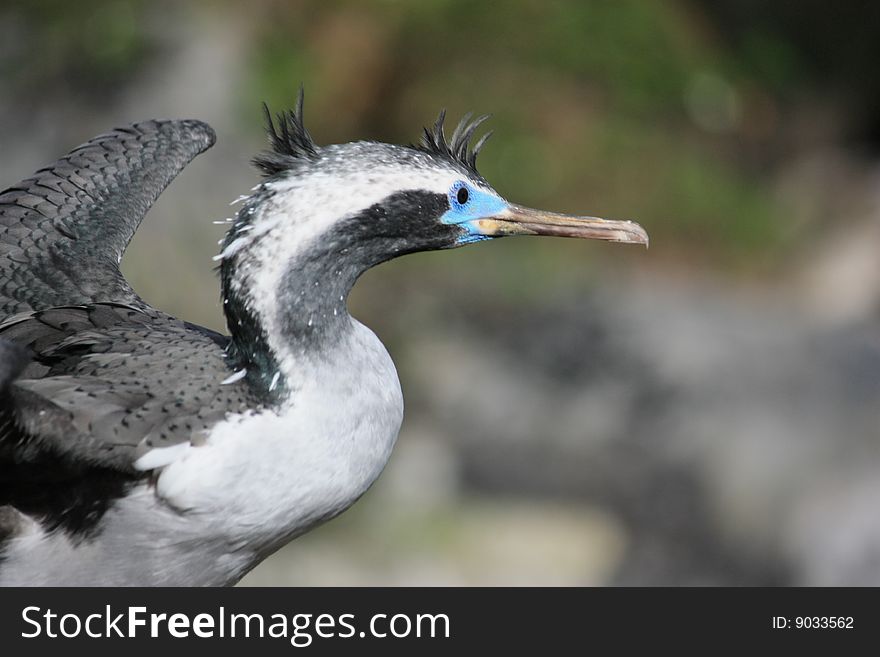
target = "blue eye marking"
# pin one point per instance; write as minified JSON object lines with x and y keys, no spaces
{"x":467,"y":204}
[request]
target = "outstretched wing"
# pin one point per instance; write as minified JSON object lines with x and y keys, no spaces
{"x":63,"y":231}
{"x":91,"y":377}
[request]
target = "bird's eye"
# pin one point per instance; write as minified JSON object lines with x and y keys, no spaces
{"x":459,"y":195}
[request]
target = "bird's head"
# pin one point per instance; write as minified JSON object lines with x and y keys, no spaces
{"x":366,"y":202}
{"x":324,"y":214}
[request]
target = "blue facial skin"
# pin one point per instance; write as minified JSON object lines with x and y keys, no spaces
{"x":479,"y":205}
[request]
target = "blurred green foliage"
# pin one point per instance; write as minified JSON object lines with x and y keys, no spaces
{"x":86,"y":47}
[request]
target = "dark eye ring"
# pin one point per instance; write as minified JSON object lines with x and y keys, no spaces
{"x":462,"y":195}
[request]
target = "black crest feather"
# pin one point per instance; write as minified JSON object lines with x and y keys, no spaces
{"x":289,"y":141}
{"x":457,"y":148}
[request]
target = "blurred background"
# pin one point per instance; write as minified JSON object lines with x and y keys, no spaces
{"x":706,"y":412}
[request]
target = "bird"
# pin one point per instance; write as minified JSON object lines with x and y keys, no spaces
{"x":137,"y":448}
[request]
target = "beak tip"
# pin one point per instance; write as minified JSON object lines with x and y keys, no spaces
{"x":635,"y":234}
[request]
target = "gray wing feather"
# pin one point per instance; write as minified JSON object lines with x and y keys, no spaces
{"x":109,"y":382}
{"x":63,"y":231}
{"x":13,"y":359}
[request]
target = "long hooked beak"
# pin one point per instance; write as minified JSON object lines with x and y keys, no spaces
{"x":518,"y":220}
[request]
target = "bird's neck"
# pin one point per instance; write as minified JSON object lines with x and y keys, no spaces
{"x":286,"y":313}
{"x":286,"y":275}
